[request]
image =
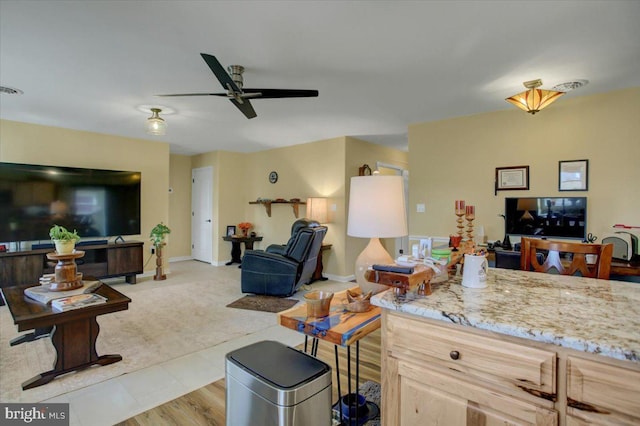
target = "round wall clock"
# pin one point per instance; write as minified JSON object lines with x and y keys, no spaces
{"x":273,"y":177}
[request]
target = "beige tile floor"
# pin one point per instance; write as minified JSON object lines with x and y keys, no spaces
{"x":122,"y":397}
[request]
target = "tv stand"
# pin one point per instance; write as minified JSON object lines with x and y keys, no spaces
{"x":101,"y":260}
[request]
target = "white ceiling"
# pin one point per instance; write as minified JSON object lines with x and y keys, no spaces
{"x":379,"y":65}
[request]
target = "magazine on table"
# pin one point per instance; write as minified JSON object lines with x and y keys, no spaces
{"x":77,"y":301}
{"x":43,"y":294}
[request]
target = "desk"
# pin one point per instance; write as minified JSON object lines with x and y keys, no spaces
{"x":340,"y":327}
{"x":74,"y":335}
{"x":236,"y":251}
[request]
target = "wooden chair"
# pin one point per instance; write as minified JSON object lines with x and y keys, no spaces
{"x":599,"y":269}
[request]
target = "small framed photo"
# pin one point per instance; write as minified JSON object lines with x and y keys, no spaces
{"x":573,"y":175}
{"x":231,"y":230}
{"x":512,"y":178}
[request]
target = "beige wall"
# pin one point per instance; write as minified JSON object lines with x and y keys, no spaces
{"x":315,"y":169}
{"x":34,"y":144}
{"x":180,"y":205}
{"x":456,"y":159}
{"x":307,"y":170}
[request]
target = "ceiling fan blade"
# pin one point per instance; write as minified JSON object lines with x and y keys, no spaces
{"x":220,"y":73}
{"x":245,"y":107}
{"x":194,"y":94}
{"x":283,"y":93}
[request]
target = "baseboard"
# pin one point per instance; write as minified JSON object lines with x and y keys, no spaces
{"x":180,"y":259}
{"x":340,"y":278}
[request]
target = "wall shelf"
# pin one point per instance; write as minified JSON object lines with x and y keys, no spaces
{"x":267,"y":205}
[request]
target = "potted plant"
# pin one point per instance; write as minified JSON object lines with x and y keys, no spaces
{"x":64,"y":240}
{"x":158,"y":234}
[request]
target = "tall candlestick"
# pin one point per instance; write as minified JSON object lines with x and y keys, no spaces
{"x":470,"y":214}
{"x":460,"y":211}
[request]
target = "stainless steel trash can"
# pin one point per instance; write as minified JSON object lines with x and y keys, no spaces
{"x":269,"y":383}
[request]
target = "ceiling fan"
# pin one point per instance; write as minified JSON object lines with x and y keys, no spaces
{"x":232,"y":81}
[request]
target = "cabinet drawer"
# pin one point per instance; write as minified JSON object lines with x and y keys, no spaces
{"x":527,"y":368}
{"x":431,"y":398}
{"x":601,"y":390}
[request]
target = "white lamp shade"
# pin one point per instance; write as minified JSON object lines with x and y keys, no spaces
{"x":317,"y":209}
{"x":377,"y":207}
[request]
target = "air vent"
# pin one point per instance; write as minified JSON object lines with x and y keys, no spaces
{"x":570,"y":85}
{"x":10,"y":91}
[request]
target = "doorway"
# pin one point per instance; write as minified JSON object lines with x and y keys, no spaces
{"x":201,"y":214}
{"x":401,"y":243}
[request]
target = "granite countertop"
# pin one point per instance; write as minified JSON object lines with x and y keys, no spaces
{"x":586,"y":314}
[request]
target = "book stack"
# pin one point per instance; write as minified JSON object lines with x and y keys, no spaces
{"x":78,"y":301}
{"x":43,"y":294}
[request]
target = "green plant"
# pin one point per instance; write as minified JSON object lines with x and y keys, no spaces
{"x":158,"y":234}
{"x":61,"y":233}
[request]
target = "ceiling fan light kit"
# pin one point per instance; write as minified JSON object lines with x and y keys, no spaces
{"x":155,"y":124}
{"x":232,"y":82}
{"x":534,"y":99}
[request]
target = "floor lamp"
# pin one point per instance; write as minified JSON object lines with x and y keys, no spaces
{"x":376,"y":210}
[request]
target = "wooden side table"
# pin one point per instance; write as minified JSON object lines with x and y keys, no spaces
{"x":236,"y":250}
{"x":340,"y":327}
{"x":75,"y":332}
{"x":317,"y":274}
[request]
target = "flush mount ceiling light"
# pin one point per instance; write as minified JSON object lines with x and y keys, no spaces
{"x":155,"y":124}
{"x":534,"y":99}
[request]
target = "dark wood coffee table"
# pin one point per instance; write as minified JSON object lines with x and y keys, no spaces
{"x":74,"y":332}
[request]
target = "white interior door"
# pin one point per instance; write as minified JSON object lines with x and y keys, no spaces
{"x":201,"y":214}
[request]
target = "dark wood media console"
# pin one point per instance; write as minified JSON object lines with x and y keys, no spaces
{"x":100,"y":261}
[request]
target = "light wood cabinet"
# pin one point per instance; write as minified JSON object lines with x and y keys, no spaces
{"x":435,"y":398}
{"x":435,"y":373}
{"x":598,"y":393}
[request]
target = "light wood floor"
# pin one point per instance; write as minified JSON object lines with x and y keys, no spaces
{"x":206,"y":405}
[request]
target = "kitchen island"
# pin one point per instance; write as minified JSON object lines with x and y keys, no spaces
{"x":530,"y":348}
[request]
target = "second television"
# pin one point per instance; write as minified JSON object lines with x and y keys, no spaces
{"x":548,"y":217}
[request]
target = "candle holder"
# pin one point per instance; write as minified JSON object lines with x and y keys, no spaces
{"x":460,"y":212}
{"x":470,"y":215}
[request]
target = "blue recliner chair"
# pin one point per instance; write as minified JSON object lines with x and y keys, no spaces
{"x":281,"y":270}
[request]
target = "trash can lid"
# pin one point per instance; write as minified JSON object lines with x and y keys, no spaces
{"x":281,"y":365}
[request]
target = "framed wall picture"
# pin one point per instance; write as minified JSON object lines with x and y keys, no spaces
{"x":573,"y":175}
{"x":512,"y":178}
{"x":231,"y":230}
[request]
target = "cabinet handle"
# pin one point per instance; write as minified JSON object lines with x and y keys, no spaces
{"x":454,"y":355}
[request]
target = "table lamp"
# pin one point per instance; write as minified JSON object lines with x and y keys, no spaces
{"x":376,"y":210}
{"x":317,"y":209}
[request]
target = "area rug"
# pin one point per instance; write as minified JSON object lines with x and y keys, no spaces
{"x":263,"y":303}
{"x":165,"y":320}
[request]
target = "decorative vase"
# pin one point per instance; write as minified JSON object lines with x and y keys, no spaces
{"x":244,"y":232}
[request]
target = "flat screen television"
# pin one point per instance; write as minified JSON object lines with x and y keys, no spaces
{"x":548,"y":217}
{"x":96,"y":203}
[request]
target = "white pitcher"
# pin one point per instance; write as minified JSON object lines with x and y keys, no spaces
{"x":474,"y":274}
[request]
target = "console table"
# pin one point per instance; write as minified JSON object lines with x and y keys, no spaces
{"x":236,"y":251}
{"x":100,"y":260}
{"x":74,"y":332}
